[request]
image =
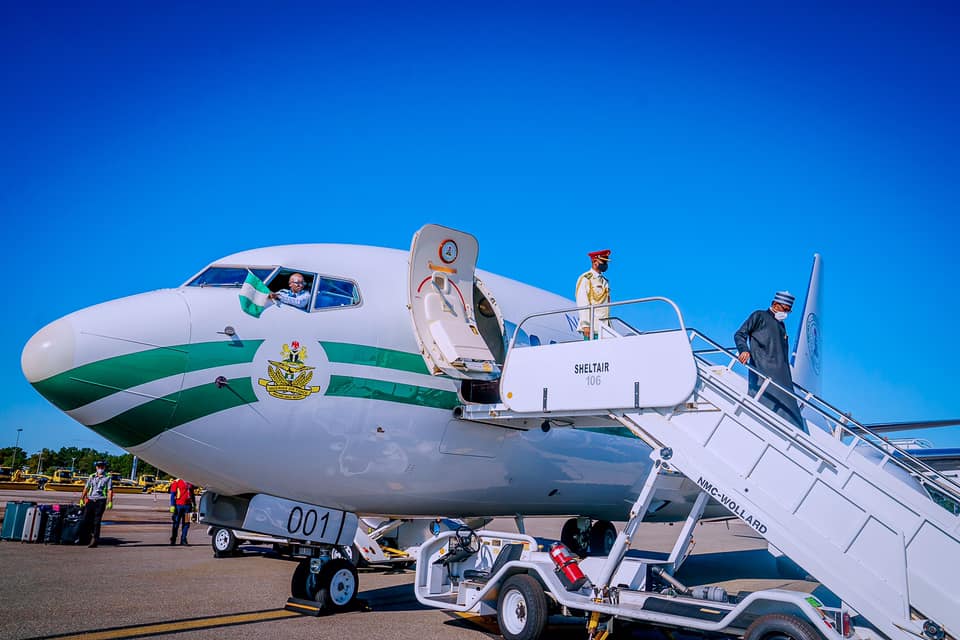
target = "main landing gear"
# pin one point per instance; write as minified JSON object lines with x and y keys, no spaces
{"x":584,"y":538}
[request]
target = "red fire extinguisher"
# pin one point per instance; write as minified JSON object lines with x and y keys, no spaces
{"x":568,"y":569}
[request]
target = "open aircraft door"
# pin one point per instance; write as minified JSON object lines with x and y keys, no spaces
{"x":442,"y":305}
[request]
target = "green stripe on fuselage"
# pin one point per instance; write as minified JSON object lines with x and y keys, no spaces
{"x":351,"y":387}
{"x":621,"y":432}
{"x":96,"y":380}
{"x":345,"y":352}
{"x":136,"y":426}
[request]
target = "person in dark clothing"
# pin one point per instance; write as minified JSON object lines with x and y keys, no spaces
{"x":762,"y":343}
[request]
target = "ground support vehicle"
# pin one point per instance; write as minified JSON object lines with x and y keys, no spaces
{"x":511,"y":576}
{"x":871,"y":523}
{"x":367,"y":548}
{"x":226,"y":541}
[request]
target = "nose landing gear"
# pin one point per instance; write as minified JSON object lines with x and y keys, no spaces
{"x":324,"y":585}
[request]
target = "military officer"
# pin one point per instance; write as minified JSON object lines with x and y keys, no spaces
{"x":593,"y":288}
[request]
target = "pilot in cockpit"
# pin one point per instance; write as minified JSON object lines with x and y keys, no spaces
{"x":296,"y":295}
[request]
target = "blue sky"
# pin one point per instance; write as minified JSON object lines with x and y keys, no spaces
{"x":714,"y":147}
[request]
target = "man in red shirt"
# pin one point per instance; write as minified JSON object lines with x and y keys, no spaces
{"x":181,"y":504}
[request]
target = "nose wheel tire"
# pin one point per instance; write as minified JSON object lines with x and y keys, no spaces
{"x":521,"y":608}
{"x":334,"y":588}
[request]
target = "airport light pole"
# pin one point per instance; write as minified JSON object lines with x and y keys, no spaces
{"x":16,"y":450}
{"x":72,"y":468}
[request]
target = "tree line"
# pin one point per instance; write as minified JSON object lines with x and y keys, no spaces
{"x":80,"y":460}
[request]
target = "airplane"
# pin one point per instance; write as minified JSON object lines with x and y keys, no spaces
{"x":297,"y":420}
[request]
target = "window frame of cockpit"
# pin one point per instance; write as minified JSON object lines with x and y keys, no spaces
{"x":275,"y":270}
{"x":246,"y":267}
{"x":316,"y":293}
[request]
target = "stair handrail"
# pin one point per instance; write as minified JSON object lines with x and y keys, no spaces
{"x":593,"y":307}
{"x":842,"y":423}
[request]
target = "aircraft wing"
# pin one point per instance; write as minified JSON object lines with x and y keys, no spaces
{"x":945,"y":460}
{"x":886,"y":427}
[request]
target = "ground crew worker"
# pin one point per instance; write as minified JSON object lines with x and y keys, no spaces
{"x":593,"y":288}
{"x":762,"y":342}
{"x":181,"y":504}
{"x":97,"y":495}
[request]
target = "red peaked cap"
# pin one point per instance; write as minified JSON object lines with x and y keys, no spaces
{"x":602,"y":255}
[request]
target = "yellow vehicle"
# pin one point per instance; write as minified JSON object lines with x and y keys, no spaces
{"x":125,"y":485}
{"x":146,"y":481}
{"x":17,"y":480}
{"x":63,"y":480}
{"x":160,"y":487}
{"x":65,"y":475}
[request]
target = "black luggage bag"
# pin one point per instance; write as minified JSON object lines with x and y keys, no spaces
{"x":51,"y":533}
{"x":71,"y":525}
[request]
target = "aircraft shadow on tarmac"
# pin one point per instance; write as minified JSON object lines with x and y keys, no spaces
{"x":751,"y":565}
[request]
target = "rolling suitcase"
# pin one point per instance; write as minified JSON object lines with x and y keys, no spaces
{"x":70,"y":528}
{"x":9,"y":518}
{"x":32,"y":524}
{"x":13,"y":519}
{"x":51,"y":531}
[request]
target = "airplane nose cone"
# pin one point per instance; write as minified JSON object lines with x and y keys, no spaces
{"x":97,"y":363}
{"x":50,"y":351}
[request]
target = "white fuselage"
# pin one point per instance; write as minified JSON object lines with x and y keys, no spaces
{"x":369,"y":432}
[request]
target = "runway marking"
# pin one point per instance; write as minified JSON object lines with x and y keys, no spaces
{"x":142,"y":630}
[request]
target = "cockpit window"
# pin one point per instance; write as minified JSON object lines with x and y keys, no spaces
{"x":282,"y":285}
{"x":332,"y":292}
{"x":229,"y":276}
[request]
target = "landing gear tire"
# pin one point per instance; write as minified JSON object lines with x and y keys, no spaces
{"x":777,"y":626}
{"x":573,"y":538}
{"x":224,"y":543}
{"x":602,"y":537}
{"x":521,"y":608}
{"x":334,"y":588}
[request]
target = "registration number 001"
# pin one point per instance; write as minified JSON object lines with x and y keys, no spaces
{"x":299,"y":521}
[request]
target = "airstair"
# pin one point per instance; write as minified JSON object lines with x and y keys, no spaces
{"x":876,"y":526}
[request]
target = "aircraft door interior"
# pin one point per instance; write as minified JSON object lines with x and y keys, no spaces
{"x":458,"y":328}
{"x":490,"y":324}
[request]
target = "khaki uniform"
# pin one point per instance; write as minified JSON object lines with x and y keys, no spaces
{"x":592,"y":288}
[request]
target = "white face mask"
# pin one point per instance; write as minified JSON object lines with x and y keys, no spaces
{"x":780,"y":315}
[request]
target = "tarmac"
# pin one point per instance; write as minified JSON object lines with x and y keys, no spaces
{"x":136,"y":585}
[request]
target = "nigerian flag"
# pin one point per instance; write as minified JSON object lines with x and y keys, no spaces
{"x":253,"y":295}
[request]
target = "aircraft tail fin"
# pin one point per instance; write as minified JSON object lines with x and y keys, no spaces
{"x":807,"y":357}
